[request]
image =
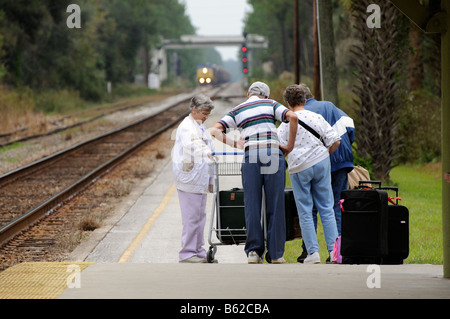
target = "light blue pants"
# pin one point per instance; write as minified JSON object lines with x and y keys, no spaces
{"x":313,"y":186}
{"x":264,"y":167}
{"x":339,"y":182}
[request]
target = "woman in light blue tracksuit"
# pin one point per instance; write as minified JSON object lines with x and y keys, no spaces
{"x":342,"y":159}
{"x":310,"y":172}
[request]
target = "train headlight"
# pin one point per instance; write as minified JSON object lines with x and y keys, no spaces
{"x":201,"y":80}
{"x":208,"y":80}
{"x":205,"y":70}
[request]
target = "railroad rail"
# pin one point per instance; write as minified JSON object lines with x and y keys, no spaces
{"x":29,"y":193}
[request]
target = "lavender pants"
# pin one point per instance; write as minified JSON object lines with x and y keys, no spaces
{"x":193,"y":217}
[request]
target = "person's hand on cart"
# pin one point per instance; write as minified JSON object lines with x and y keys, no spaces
{"x":239,"y":144}
{"x":213,"y":157}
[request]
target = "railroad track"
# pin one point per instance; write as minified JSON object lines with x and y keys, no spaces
{"x":36,"y":190}
{"x":68,"y":122}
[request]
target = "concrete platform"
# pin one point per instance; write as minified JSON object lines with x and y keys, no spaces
{"x":236,"y":281}
{"x":266,"y":281}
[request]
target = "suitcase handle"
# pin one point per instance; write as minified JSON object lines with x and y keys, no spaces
{"x":391,"y":199}
{"x":392,"y":188}
{"x":388,"y":188}
{"x":369,"y":182}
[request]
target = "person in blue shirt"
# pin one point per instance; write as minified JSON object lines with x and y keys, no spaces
{"x":342,"y":158}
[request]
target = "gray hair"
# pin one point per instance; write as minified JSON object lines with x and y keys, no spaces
{"x":306,"y":90}
{"x":294,"y":95}
{"x":201,"y":103}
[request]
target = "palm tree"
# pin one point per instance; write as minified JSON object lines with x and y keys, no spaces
{"x":377,"y":61}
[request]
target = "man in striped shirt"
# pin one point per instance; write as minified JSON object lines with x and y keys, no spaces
{"x":263,"y":166}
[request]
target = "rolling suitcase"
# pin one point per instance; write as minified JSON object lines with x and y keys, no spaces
{"x":364,"y":226}
{"x":398,"y":231}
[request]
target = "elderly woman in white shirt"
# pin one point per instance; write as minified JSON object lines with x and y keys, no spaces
{"x":310,"y":172}
{"x":193,"y":176}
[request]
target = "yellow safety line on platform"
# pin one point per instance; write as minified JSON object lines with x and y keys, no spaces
{"x":40,"y":280}
{"x":146,"y":228}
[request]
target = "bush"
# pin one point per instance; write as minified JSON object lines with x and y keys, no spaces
{"x":58,"y":101}
{"x":17,"y":108}
{"x":420,"y":128}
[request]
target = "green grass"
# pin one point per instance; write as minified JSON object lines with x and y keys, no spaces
{"x":4,"y":149}
{"x":421,"y":191}
{"x":11,"y":147}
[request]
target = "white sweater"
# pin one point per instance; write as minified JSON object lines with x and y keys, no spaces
{"x":190,"y":161}
{"x":308,"y":150}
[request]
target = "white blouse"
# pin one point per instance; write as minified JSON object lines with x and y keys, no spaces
{"x":308,"y":150}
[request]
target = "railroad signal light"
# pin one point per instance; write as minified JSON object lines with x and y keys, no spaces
{"x":244,"y":47}
{"x":244,"y":58}
{"x":244,"y":65}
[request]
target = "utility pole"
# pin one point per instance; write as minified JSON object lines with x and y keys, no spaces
{"x":296,"y":45}
{"x":327,"y":53}
{"x":316,"y":56}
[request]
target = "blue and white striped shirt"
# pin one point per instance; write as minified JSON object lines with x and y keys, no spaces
{"x":256,"y":118}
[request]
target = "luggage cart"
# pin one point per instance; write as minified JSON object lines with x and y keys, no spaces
{"x":227,"y":215}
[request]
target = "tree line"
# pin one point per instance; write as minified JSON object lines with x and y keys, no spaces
{"x":39,"y":51}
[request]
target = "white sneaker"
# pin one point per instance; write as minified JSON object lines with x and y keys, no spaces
{"x":279,"y":261}
{"x":313,"y":258}
{"x":194,"y":259}
{"x":253,"y":258}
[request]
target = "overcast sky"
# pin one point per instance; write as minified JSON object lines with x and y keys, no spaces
{"x":218,"y":17}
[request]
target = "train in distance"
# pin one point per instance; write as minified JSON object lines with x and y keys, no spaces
{"x":211,"y":74}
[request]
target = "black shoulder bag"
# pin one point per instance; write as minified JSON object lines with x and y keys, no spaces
{"x":312,"y":131}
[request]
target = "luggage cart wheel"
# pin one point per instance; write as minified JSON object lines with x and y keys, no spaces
{"x":210,"y":254}
{"x":268,"y":259}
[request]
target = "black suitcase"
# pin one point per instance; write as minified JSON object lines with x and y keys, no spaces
{"x":364,"y":226}
{"x":231,"y":228}
{"x":398,"y":231}
{"x":293,"y":230}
